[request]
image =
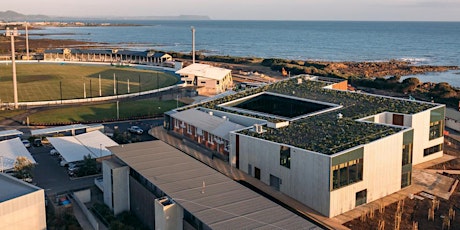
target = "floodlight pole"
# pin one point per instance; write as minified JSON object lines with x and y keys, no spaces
{"x":12,"y":34}
{"x":100,"y":90}
{"x":193,"y":45}
{"x":27,"y":41}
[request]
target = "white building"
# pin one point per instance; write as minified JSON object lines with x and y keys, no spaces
{"x":22,"y":205}
{"x":328,"y":148}
{"x":209,"y":80}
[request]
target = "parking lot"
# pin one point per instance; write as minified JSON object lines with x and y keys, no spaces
{"x":49,"y":175}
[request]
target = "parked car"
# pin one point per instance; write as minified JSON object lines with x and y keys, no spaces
{"x":135,"y":129}
{"x":38,"y":142}
{"x":53,"y":152}
{"x":64,"y":163}
{"x":26,"y":143}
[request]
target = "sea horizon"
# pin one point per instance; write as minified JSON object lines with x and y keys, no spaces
{"x":421,"y":43}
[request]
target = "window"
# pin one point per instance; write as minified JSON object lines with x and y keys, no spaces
{"x":361,"y":197}
{"x":407,"y":154}
{"x":347,"y":173}
{"x":406,"y":179}
{"x":189,"y":82}
{"x":250,"y":169}
{"x":203,"y":82}
{"x":285,"y":156}
{"x":436,"y":129}
{"x":189,"y":129}
{"x":210,"y":138}
{"x":257,"y":173}
{"x":217,"y":83}
{"x":431,"y":150}
{"x":176,"y":123}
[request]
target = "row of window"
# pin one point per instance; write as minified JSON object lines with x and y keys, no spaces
{"x":433,"y":149}
{"x":347,"y":173}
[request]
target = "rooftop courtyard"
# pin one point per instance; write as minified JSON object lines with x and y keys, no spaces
{"x":287,"y":107}
{"x":324,"y":132}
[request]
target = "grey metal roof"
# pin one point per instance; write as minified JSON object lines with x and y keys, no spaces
{"x":453,"y":114}
{"x":11,"y":188}
{"x":220,"y":204}
{"x":212,"y":124}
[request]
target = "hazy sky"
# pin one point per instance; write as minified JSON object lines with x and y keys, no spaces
{"x":399,"y":10}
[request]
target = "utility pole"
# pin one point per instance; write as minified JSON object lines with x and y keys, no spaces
{"x":12,"y":34}
{"x":193,"y":45}
{"x":114,"y":85}
{"x":100,"y":90}
{"x":128,"y":85}
{"x":60,"y":89}
{"x":27,"y":41}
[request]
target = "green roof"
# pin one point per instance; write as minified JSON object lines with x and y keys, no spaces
{"x":325,"y":133}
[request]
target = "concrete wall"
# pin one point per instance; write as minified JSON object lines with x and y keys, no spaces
{"x":381,"y":174}
{"x":421,"y":125}
{"x":24,"y":212}
{"x":142,"y":203}
{"x":168,"y":215}
{"x":307,"y":179}
{"x":116,"y":184}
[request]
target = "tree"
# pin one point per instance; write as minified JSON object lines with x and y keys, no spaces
{"x":23,"y":168}
{"x":89,"y":166}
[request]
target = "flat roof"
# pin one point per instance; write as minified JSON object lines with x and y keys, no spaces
{"x":212,"y":124}
{"x":12,"y":132}
{"x":39,"y":132}
{"x":11,"y":187}
{"x":216,"y":200}
{"x":10,"y":150}
{"x":324,"y":133}
{"x":75,"y":148}
{"x":203,"y":70}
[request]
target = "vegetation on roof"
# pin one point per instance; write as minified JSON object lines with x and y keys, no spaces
{"x":325,"y":133}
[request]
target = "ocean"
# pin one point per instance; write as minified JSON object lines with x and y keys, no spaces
{"x":422,"y":43}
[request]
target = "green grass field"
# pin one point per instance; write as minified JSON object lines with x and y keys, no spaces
{"x":39,"y":82}
{"x":105,"y":111}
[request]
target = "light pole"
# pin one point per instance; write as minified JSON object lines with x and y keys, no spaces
{"x":12,"y":34}
{"x":27,"y":41}
{"x":193,"y":45}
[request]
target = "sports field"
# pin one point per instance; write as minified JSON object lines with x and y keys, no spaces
{"x":106,"y":111}
{"x":41,"y":82}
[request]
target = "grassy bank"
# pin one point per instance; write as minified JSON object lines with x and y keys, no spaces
{"x":37,"y":82}
{"x":103,"y":112}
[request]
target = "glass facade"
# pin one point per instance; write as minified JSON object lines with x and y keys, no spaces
{"x":437,"y":117}
{"x":347,"y":173}
{"x":347,"y":168}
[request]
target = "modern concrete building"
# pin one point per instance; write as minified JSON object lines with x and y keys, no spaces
{"x":170,"y":190}
{"x":110,"y":56}
{"x":326,"y":147}
{"x":209,"y":80}
{"x":22,"y":205}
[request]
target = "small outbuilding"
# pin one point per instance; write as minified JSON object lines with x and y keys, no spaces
{"x":209,"y":80}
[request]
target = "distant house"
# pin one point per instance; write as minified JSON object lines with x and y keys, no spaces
{"x":110,"y":56}
{"x":209,"y":80}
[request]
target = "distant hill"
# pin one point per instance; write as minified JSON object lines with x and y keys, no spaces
{"x":10,"y":15}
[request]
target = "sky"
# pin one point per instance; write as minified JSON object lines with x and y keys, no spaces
{"x":356,"y":10}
